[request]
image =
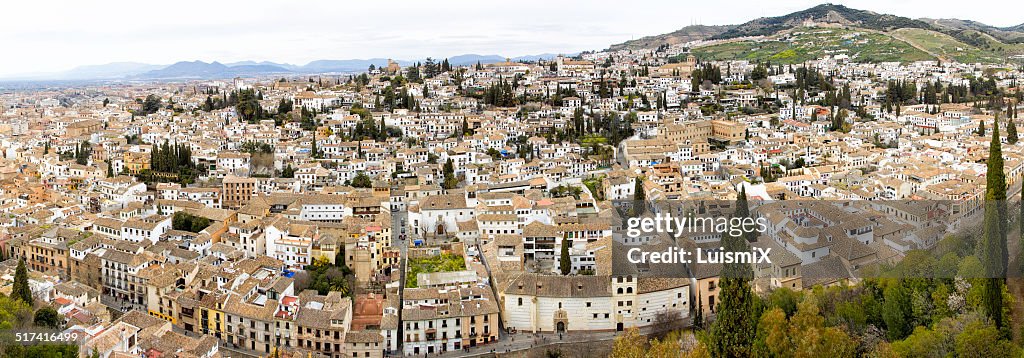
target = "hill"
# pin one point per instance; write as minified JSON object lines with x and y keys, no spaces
{"x":966,"y":29}
{"x":200,"y":69}
{"x":806,"y":44}
{"x":826,"y":13}
{"x":864,"y":35}
{"x":683,"y":35}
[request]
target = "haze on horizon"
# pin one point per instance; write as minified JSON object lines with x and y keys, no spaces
{"x":47,"y":36}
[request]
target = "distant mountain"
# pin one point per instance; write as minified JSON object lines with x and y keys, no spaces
{"x":286,"y":66}
{"x":472,"y":59}
{"x":825,"y":13}
{"x":683,"y":35}
{"x":543,"y":56}
{"x":344,"y":65}
{"x":107,"y":71}
{"x":200,"y":69}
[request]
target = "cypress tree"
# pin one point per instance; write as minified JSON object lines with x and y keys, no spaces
{"x":20,"y":289}
{"x":1011,"y":132}
{"x":698,"y":316}
{"x":563,"y":263}
{"x":992,"y":249}
{"x":743,"y":211}
{"x":639,"y":196}
{"x":733,"y":332}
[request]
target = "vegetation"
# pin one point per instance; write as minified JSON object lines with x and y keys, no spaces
{"x":188,"y":222}
{"x":446,"y":262}
{"x":324,"y":277}
{"x":20,"y":289}
{"x":47,"y":317}
{"x":450,"y":180}
{"x":992,"y":248}
{"x":564,"y":262}
{"x":171,"y":164}
{"x":566,"y":190}
{"x":16,"y":314}
{"x":362,"y":180}
{"x":813,"y":43}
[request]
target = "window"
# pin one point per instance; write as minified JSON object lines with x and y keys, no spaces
{"x":520,"y":301}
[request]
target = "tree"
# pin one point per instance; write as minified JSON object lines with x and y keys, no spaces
{"x":151,"y":104}
{"x":628,"y":345}
{"x":698,"y":314}
{"x":288,"y":171}
{"x":188,"y":222}
{"x":1011,"y":132}
{"x":450,"y":181}
{"x":83,"y":152}
{"x":735,"y":325}
{"x":981,"y":128}
{"x":47,"y":317}
{"x":564,"y":263}
{"x":743,"y":211}
{"x":362,"y":181}
{"x":313,"y":150}
{"x":20,"y":289}
{"x":639,"y":196}
{"x":897,"y":311}
{"x":992,"y":248}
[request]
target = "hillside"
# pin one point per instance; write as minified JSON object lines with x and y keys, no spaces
{"x":964,"y":29}
{"x":683,"y":35}
{"x":826,"y":13}
{"x":200,"y":69}
{"x":879,"y":37}
{"x":949,"y":48}
{"x":811,"y":43}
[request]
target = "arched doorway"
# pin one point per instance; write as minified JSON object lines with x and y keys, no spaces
{"x":560,"y":327}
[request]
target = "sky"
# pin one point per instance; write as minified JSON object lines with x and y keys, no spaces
{"x":42,"y":36}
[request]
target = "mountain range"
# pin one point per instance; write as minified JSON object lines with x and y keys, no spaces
{"x":935,"y":37}
{"x":203,"y":70}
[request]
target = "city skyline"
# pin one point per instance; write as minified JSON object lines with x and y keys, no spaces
{"x":191,"y":31}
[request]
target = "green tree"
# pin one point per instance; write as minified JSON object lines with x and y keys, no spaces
{"x":288,"y":171}
{"x":639,"y":196}
{"x":47,"y":317}
{"x":897,"y":311}
{"x":20,"y":289}
{"x":992,"y":248}
{"x":564,"y":263}
{"x":736,"y":323}
{"x":362,"y":180}
{"x":1011,"y":132}
{"x":448,"y":170}
{"x":151,"y":104}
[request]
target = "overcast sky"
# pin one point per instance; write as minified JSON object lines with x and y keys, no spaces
{"x":47,"y":36}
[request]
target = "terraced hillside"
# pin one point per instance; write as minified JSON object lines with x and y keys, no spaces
{"x":947,"y":47}
{"x":805,"y":44}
